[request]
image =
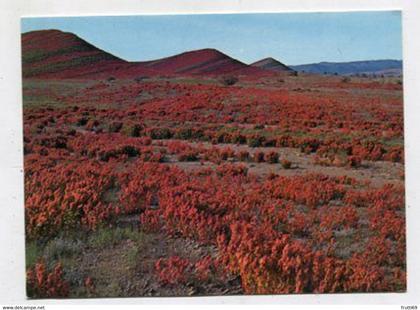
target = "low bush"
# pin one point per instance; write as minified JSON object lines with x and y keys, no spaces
{"x":259,"y":157}
{"x":188,"y":155}
{"x":286,"y":164}
{"x":244,"y":156}
{"x":271,"y":157}
{"x":43,"y":283}
{"x":229,"y":80}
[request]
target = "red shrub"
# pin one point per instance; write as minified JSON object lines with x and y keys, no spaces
{"x":259,"y":157}
{"x":286,"y":164}
{"x":243,"y":156}
{"x":271,"y":157}
{"x":173,"y":270}
{"x":42,"y":283}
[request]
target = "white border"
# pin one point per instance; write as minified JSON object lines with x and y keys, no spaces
{"x":11,"y":174}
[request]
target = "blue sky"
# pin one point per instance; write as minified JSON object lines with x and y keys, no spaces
{"x":293,"y":38}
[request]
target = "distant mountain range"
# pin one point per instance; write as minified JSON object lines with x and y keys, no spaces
{"x":369,"y":67}
{"x":58,"y":54}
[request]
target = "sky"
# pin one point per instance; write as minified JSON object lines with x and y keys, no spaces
{"x":292,"y":38}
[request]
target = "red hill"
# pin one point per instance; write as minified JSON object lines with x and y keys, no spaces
{"x":204,"y":61}
{"x":57,"y":54}
{"x":272,"y":65}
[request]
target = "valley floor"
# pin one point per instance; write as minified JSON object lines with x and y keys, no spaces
{"x":183,"y":186}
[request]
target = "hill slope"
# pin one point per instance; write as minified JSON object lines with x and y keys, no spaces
{"x":204,"y":61}
{"x":271,"y":64}
{"x":387,"y":67}
{"x":53,"y":52}
{"x":57,"y":54}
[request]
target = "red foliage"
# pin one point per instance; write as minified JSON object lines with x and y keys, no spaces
{"x":259,"y":157}
{"x":205,"y":268}
{"x":173,"y":270}
{"x":286,"y":164}
{"x":89,"y":285}
{"x":42,"y":283}
{"x":243,"y":156}
{"x":63,"y":195}
{"x":271,"y":157}
{"x":279,"y":234}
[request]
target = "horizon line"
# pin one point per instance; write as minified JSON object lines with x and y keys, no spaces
{"x":209,"y":48}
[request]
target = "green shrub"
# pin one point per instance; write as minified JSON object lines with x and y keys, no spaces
{"x":132,"y":130}
{"x":229,"y":80}
{"x":160,"y":133}
{"x":115,"y":127}
{"x":108,"y":237}
{"x":255,"y":141}
{"x":188,"y":156}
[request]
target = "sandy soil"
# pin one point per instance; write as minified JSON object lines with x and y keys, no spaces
{"x":126,"y":269}
{"x":377,"y":173}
